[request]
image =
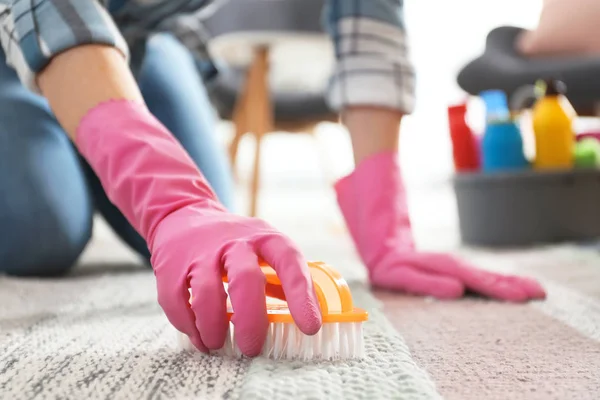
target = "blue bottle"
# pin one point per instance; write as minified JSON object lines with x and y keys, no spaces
{"x":502,"y":144}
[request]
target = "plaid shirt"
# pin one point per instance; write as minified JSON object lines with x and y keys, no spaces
{"x":372,"y":65}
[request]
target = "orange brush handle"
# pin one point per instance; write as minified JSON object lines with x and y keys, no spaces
{"x":333,"y":292}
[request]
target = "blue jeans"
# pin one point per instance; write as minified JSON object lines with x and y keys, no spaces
{"x":49,"y":193}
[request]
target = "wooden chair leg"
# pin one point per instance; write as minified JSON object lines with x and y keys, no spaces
{"x":255,"y":185}
{"x":240,"y":122}
{"x":259,"y":116}
{"x":240,"y":131}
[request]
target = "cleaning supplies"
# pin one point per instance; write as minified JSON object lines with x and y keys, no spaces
{"x":502,"y":144}
{"x":340,"y":337}
{"x":587,"y":153}
{"x":553,"y":118}
{"x":465,"y":145}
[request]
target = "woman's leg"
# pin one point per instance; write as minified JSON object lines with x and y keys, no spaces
{"x":45,"y":208}
{"x":175,"y":94}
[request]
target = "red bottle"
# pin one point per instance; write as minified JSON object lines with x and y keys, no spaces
{"x":465,"y":146}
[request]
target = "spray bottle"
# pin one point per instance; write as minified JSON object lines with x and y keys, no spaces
{"x":465,"y":145}
{"x":553,"y":118}
{"x":502,"y":144}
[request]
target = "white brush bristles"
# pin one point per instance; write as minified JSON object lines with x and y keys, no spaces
{"x":335,"y":341}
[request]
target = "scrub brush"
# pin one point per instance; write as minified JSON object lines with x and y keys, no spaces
{"x":340,"y":337}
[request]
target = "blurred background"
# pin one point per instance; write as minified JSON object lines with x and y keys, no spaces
{"x":297,"y":171}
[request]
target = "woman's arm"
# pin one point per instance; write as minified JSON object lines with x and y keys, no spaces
{"x":68,"y":50}
{"x":80,"y":78}
{"x":373,"y":68}
{"x":373,"y":80}
{"x":72,"y":52}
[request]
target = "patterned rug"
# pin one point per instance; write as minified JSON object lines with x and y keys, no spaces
{"x":475,"y":349}
{"x":99,"y":334}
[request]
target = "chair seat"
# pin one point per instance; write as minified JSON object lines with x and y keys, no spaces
{"x":289,"y":106}
{"x":239,"y":26}
{"x":293,"y":33}
{"x":501,"y":67}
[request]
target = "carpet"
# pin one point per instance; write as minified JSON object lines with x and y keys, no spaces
{"x":99,"y":334}
{"x":476,"y":349}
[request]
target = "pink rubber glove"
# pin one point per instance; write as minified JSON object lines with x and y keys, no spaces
{"x":190,"y":235}
{"x":373,"y":202}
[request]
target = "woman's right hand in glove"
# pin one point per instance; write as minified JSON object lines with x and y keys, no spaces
{"x":192,"y":238}
{"x":194,"y":245}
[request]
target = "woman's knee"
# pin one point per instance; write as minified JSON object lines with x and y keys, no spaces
{"x":41,"y":244}
{"x":166,"y":57}
{"x":45,"y":210}
{"x":169,"y":78}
